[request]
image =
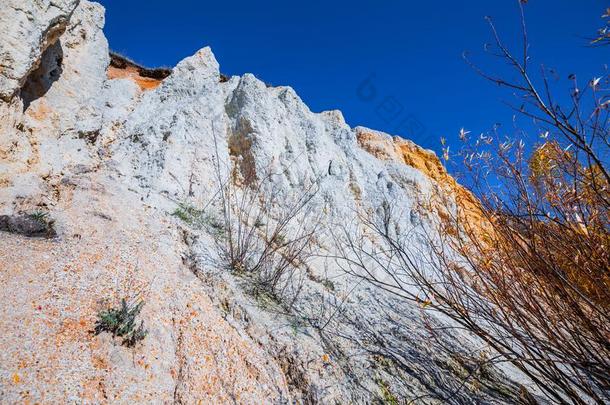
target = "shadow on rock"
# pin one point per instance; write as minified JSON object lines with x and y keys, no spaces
{"x":32,"y":225}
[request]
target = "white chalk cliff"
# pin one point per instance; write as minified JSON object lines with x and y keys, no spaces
{"x":108,"y":155}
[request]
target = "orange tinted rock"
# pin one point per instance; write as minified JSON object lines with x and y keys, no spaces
{"x":145,"y":83}
{"x":401,"y":150}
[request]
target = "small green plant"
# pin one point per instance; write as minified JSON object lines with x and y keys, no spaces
{"x":386,"y":395}
{"x":188,"y":213}
{"x":197,"y":218}
{"x":214,"y":225}
{"x":281,"y":239}
{"x":296,"y":324}
{"x":39,"y":216}
{"x":121,"y":322}
{"x":37,"y":223}
{"x":264,"y":298}
{"x":328,"y":284}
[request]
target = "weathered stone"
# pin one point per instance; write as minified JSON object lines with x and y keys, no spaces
{"x":27,"y":225}
{"x":112,"y":155}
{"x":28,"y":29}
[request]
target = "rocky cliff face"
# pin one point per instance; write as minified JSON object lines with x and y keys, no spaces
{"x":95,"y":158}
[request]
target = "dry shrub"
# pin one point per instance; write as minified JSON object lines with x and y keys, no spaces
{"x":268,"y":236}
{"x":530,"y":276}
{"x":264,"y":233}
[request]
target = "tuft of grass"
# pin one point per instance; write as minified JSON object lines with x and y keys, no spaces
{"x":197,"y":218}
{"x":187,"y":213}
{"x":296,"y":324}
{"x":122,"y":322}
{"x":328,"y":284}
{"x":214,"y":225}
{"x":386,"y":395}
{"x":265,"y":299}
{"x":280,"y":239}
{"x":40,"y":216}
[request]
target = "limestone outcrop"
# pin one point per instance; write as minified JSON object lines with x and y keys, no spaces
{"x":127,"y":169}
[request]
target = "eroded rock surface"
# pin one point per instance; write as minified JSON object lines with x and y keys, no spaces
{"x":28,"y":29}
{"x":110,"y":156}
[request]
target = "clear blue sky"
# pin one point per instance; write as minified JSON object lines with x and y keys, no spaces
{"x":410,"y":50}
